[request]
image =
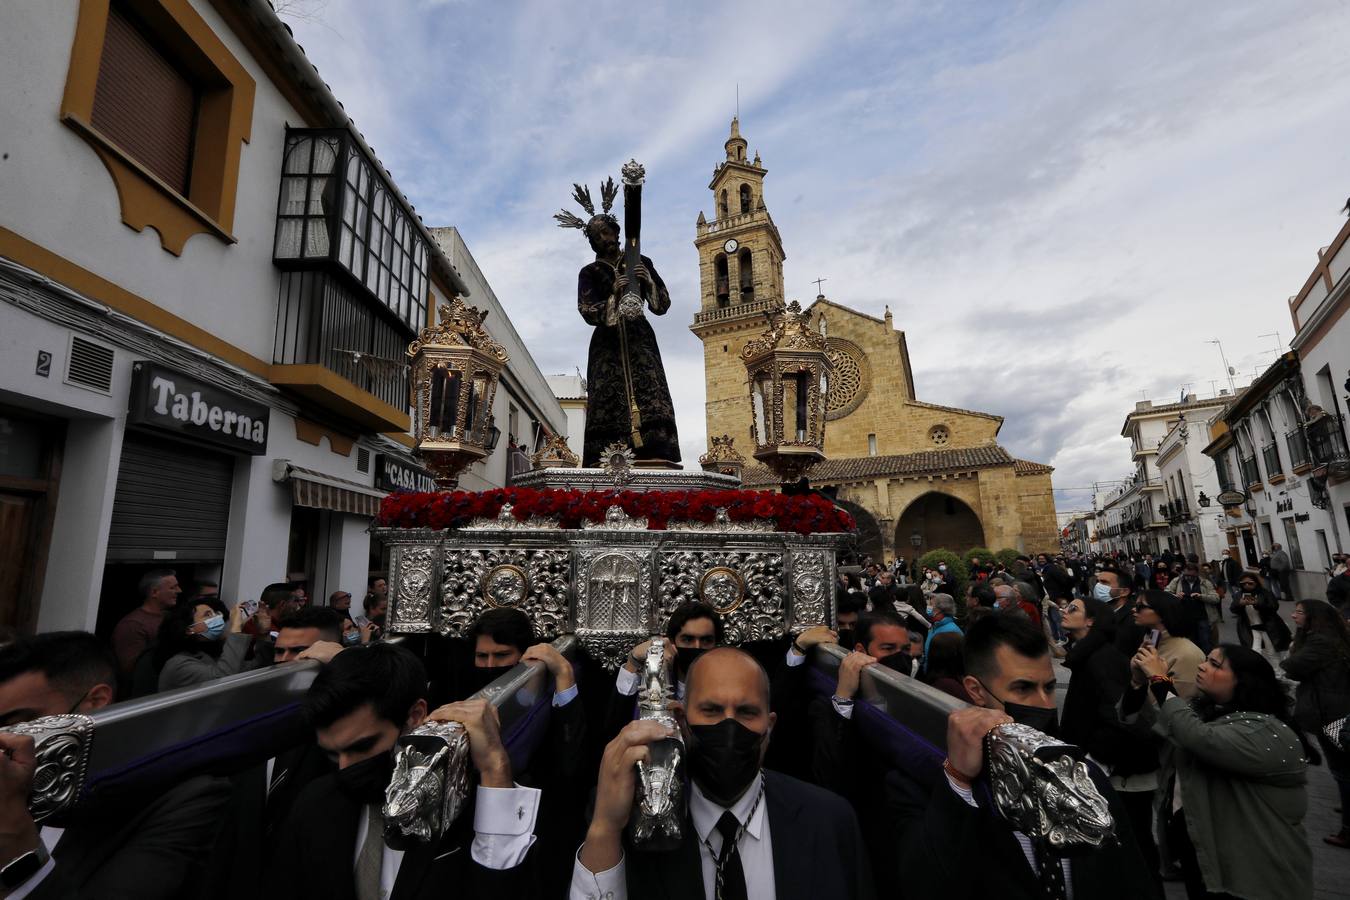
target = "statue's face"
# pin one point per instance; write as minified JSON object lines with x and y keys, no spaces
{"x":605,"y":240}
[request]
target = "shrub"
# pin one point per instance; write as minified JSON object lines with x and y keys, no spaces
{"x":1007,"y":556}
{"x":984,"y":553}
{"x":956,"y":567}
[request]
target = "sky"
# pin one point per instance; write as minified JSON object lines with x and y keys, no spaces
{"x":1061,"y":203}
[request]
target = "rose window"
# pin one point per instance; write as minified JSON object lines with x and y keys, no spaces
{"x":939,"y":435}
{"x":848,"y":382}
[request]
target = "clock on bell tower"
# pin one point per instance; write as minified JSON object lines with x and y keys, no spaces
{"x":740,"y":260}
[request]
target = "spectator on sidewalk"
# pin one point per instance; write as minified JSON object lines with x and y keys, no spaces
{"x":1234,"y":775}
{"x":1319,"y":660}
{"x":158,"y":590}
{"x":1282,"y":572}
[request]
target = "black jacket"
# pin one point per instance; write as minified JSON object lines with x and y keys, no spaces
{"x":817,"y":850}
{"x":1321,"y":666}
{"x":316,"y":854}
{"x":156,"y":851}
{"x":251,"y":822}
{"x":1099,"y":674}
{"x":952,"y":851}
{"x":1268,"y":609}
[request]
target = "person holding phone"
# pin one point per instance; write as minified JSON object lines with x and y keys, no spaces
{"x":1259,"y":625}
{"x":1165,"y":628}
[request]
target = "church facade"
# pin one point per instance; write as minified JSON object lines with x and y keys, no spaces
{"x":916,"y":475}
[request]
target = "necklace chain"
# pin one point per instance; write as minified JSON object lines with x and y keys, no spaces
{"x":719,"y":861}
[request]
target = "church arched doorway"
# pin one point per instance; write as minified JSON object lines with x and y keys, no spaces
{"x":869,"y":532}
{"x":942,"y":522}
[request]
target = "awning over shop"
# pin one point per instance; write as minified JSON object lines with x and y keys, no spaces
{"x":320,"y":491}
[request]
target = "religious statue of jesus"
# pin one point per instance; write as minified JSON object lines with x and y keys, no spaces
{"x":628,"y":400}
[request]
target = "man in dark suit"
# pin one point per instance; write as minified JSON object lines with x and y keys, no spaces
{"x":762,"y":834}
{"x":332,"y":845}
{"x":155,"y":849}
{"x":952,"y":845}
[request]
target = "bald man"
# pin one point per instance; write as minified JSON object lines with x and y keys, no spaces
{"x":771,"y":836}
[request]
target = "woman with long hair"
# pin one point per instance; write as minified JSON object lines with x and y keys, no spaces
{"x":1234,"y":774}
{"x":196,"y":645}
{"x":1319,"y":660}
{"x":1167,"y":629}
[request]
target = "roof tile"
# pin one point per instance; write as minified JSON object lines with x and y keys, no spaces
{"x":860,"y":467}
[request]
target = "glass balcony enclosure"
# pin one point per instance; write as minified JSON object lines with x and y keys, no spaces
{"x":337,"y":209}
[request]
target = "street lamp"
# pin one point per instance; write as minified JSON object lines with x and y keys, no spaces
{"x":1202,"y":500}
{"x":455,"y":369}
{"x":788,"y":367}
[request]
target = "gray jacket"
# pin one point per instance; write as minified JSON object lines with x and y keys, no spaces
{"x":195,"y":667}
{"x":1279,"y":561}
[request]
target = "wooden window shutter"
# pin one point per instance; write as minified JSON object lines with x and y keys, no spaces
{"x":144,"y":104}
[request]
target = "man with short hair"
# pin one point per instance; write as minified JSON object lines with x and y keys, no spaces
{"x":107,"y":852}
{"x":206,"y":590}
{"x":341,"y":601}
{"x":135,"y":633}
{"x":333,"y":843}
{"x":693,"y":629}
{"x":1010,"y":678}
{"x":305,"y":628}
{"x":942,"y":613}
{"x":765,"y":834}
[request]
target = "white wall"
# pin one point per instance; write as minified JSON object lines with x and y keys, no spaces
{"x":66,"y":200}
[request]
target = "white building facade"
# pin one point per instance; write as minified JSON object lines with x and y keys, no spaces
{"x":1263,"y":453}
{"x":206,"y":290}
{"x":1322,"y":342}
{"x":1190,"y":484}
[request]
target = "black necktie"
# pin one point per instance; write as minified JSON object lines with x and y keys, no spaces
{"x":729,"y":883}
{"x":1051,"y":875}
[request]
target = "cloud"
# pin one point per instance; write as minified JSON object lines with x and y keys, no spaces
{"x":1061,"y":204}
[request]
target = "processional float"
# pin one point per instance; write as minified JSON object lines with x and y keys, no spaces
{"x":598,"y":557}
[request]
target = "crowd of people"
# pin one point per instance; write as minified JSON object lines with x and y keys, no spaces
{"x":1200,"y":746}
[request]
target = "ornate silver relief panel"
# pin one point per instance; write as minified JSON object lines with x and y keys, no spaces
{"x":61,"y":761}
{"x":412,"y":587}
{"x":534,"y":581}
{"x":747,"y":588}
{"x":613,"y":596}
{"x":812,"y":588}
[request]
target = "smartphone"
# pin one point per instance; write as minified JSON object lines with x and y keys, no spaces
{"x":1153,"y":637}
{"x":250,"y":606}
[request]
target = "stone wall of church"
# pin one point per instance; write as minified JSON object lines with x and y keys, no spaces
{"x":1040,"y":528}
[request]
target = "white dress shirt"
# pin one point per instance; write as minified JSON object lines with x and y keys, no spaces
{"x":503,"y":826}
{"x":50,"y":837}
{"x":842,"y":705}
{"x":755,"y":847}
{"x":1022,"y":840}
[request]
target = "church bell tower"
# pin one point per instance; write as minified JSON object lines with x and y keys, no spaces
{"x":740,"y":260}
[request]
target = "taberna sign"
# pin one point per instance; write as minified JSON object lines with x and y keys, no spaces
{"x":393,"y":474}
{"x":173,"y":401}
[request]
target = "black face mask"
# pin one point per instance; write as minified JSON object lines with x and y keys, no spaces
{"x":899,"y":661}
{"x":684,"y":658}
{"x":366,"y":782}
{"x":1043,"y":720}
{"x":474,"y":678}
{"x":847,"y":639}
{"x":723,"y":759}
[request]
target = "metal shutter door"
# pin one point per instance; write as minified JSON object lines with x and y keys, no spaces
{"x":143,"y":104}
{"x":171,"y":498}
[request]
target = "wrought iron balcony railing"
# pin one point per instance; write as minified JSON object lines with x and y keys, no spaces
{"x":1298,"y":448}
{"x":1326,"y":441}
{"x":1270,"y":455}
